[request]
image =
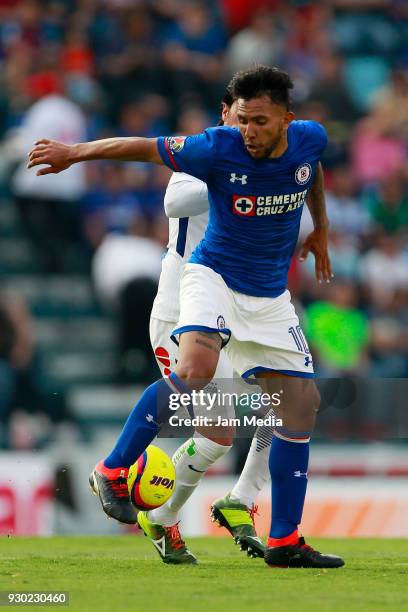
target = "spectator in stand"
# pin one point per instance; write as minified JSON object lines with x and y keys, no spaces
{"x":261,"y":42}
{"x":378,"y":149}
{"x":346,"y":213}
{"x":77,"y":57}
{"x":193,"y":120}
{"x":344,"y":255}
{"x":192,"y":54}
{"x":387,"y":205}
{"x":329,"y":88}
{"x":238,"y":13}
{"x":23,"y":403}
{"x":344,"y":209}
{"x":144,"y":116}
{"x":49,"y":208}
{"x":384,"y":270}
{"x":389,"y":341}
{"x":338,"y":331}
{"x":151,"y":195}
{"x":109,"y":206}
{"x":345,"y":259}
{"x":126,"y":270}
{"x":128,"y":54}
{"x":390,"y":107}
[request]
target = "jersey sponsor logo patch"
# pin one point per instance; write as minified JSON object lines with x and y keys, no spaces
{"x":244,"y":205}
{"x":261,"y":206}
{"x":176,"y":143}
{"x":303,"y":174}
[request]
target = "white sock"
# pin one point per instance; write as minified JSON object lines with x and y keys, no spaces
{"x":192,"y":459}
{"x":255,"y":473}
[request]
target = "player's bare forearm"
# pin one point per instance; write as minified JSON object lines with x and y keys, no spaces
{"x":58,"y":156}
{"x":316,"y":201}
{"x":121,"y":149}
{"x":317,"y":241}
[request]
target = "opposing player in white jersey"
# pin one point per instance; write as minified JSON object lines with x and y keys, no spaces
{"x":186,"y":205}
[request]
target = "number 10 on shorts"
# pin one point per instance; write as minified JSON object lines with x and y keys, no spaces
{"x":299,"y":339}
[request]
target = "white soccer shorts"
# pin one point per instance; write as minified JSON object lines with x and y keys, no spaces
{"x":259,"y":333}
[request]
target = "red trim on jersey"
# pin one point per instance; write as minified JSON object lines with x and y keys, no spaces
{"x":170,"y":154}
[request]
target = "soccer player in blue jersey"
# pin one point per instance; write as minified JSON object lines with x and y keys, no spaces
{"x":233,"y":292}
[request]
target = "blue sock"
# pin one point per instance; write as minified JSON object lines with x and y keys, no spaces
{"x":144,"y":422}
{"x":288,"y":463}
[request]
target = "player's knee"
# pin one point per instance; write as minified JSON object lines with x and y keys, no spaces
{"x":311,"y":403}
{"x":302,"y":414}
{"x":310,"y":399}
{"x":195,"y":373}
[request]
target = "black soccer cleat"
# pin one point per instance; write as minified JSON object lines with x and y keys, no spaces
{"x":300,"y":555}
{"x":111,"y":487}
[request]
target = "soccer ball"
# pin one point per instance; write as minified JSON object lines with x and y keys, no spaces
{"x":151,"y":479}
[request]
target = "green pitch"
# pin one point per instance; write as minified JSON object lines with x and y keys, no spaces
{"x":118,"y":573}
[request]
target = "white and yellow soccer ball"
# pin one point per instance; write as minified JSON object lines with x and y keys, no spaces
{"x":151,"y":479}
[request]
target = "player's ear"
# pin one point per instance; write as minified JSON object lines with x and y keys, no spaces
{"x":224,"y":112}
{"x":288,"y":118}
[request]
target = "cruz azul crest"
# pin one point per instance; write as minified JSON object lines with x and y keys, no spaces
{"x":303,"y":173}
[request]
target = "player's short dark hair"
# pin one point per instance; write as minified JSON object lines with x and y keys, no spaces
{"x":227,"y":99}
{"x":262,"y":80}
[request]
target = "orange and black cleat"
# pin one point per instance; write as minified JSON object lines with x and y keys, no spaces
{"x":300,"y":555}
{"x":111,"y":487}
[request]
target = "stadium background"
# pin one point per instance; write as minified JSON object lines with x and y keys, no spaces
{"x":80,"y":257}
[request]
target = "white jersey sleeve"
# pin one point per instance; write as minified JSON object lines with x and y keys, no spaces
{"x":185,"y":232}
{"x":186,"y":196}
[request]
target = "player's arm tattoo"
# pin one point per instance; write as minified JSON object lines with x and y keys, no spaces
{"x":316,"y":201}
{"x":210,"y":340}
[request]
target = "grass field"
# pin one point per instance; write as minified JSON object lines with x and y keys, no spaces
{"x":117,"y":573}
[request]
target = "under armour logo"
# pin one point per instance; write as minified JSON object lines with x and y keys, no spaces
{"x":242,"y":179}
{"x":299,"y":474}
{"x":149,"y":418}
{"x":308,"y":361}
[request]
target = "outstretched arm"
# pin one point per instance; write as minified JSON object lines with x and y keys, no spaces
{"x":317,"y":241}
{"x":58,"y":156}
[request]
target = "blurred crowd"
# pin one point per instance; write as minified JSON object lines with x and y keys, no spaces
{"x":85,"y":69}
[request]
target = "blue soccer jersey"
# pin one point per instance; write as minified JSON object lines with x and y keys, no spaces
{"x":255,"y":204}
